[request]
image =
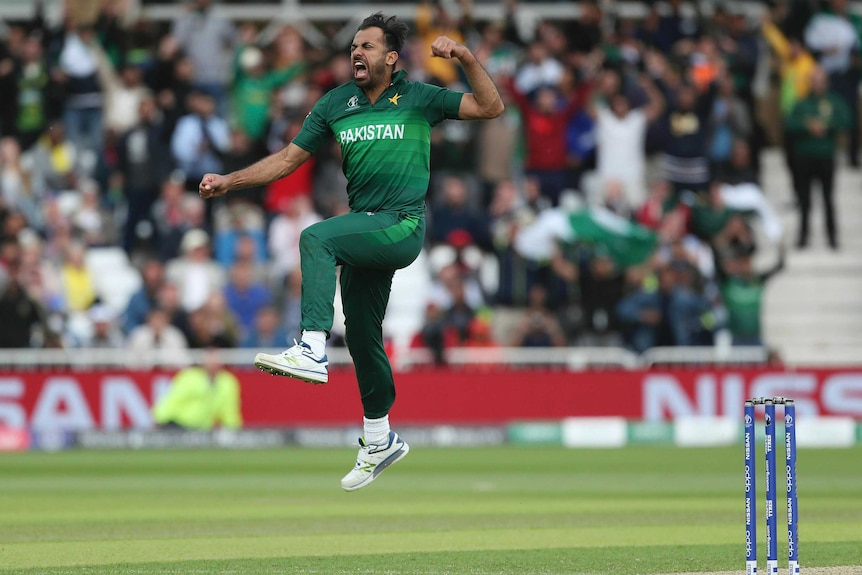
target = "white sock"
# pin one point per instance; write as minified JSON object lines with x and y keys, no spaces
{"x":376,"y":431}
{"x":316,"y":340}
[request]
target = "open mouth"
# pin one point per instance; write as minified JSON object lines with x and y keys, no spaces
{"x":360,"y":70}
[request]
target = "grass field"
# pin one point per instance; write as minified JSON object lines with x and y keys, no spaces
{"x":456,"y":511}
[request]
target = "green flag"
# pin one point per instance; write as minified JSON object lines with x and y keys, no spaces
{"x":627,"y":243}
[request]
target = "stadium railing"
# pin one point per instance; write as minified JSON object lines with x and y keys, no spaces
{"x":296,"y":10}
{"x":569,"y":358}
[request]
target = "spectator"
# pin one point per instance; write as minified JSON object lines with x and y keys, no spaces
{"x":213,"y":325}
{"x":56,"y":162}
{"x":208,"y":39}
{"x":434,"y":19}
{"x":143,"y":300}
{"x":601,"y":282}
{"x":29,"y":88}
{"x":454,"y":220}
{"x":283,"y":241}
{"x":795,"y":67}
{"x":236,"y":221}
{"x":539,"y":70}
{"x":244,"y":152}
{"x":435,"y":334}
{"x":124,"y":92}
{"x":201,"y":398}
{"x":480,"y":333}
{"x":834,"y":37}
{"x":729,"y":122}
{"x":200,"y":139}
{"x":666,"y":312}
{"x":22,"y":318}
{"x":170,"y":214}
{"x":144,"y":162}
{"x":740,"y":168}
{"x":16,"y":181}
{"x":585,"y":34}
{"x":621,"y":139}
{"x":79,"y":289}
{"x":545,"y":125}
{"x":539,"y":327}
{"x":174,"y":97}
{"x":168,"y":299}
{"x":89,"y":220}
{"x":105,"y":334}
{"x":686,"y":126}
{"x":82,"y":110}
{"x":157,"y":341}
{"x":195,"y":273}
{"x":267,"y":332}
{"x":245,"y":297}
{"x":254,"y":86}
{"x":742,"y":294}
{"x":818,"y":121}
{"x":499,"y":148}
{"x":39,"y":275}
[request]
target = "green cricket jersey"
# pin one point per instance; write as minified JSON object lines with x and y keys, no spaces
{"x":385,"y":146}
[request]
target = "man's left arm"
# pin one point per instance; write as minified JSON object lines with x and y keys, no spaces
{"x":485,"y":102}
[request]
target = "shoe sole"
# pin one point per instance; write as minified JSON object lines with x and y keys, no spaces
{"x":381,"y":467}
{"x":273,"y":369}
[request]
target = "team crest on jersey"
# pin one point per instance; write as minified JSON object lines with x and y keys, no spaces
{"x":394,"y":99}
{"x":352,"y":102}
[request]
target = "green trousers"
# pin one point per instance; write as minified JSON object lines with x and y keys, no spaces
{"x":370,"y":247}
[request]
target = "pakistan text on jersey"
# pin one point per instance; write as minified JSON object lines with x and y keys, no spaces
{"x":371,"y":132}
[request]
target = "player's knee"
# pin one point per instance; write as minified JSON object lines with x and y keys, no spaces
{"x":309,"y":237}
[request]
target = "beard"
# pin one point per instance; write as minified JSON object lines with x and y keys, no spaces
{"x":372,"y":75}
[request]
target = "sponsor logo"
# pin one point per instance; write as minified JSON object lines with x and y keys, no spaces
{"x":748,"y":545}
{"x":747,"y":483}
{"x":748,"y":512}
{"x":353,"y":102}
{"x":790,"y":517}
{"x":791,"y":545}
{"x":371,"y":132}
{"x":789,"y":483}
{"x":747,"y":447}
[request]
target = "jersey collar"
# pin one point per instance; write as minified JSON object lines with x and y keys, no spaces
{"x":398,"y":78}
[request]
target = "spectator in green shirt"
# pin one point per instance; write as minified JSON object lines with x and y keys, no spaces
{"x":818,"y":120}
{"x":201,"y":397}
{"x":741,"y":290}
{"x":254,"y":86}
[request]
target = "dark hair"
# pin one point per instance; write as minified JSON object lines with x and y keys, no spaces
{"x":394,"y":31}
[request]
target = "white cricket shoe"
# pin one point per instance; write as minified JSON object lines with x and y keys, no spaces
{"x":297,"y":362}
{"x":372,"y":460}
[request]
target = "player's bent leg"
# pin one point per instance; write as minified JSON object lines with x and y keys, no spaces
{"x":297,"y":362}
{"x":372,"y":460}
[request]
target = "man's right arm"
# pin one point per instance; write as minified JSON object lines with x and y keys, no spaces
{"x":272,"y":168}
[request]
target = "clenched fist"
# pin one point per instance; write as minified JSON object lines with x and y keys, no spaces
{"x":444,"y":47}
{"x":213,"y":185}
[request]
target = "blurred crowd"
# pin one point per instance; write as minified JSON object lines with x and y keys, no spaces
{"x":617,"y":201}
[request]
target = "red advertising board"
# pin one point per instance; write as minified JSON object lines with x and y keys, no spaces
{"x":87,"y":400}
